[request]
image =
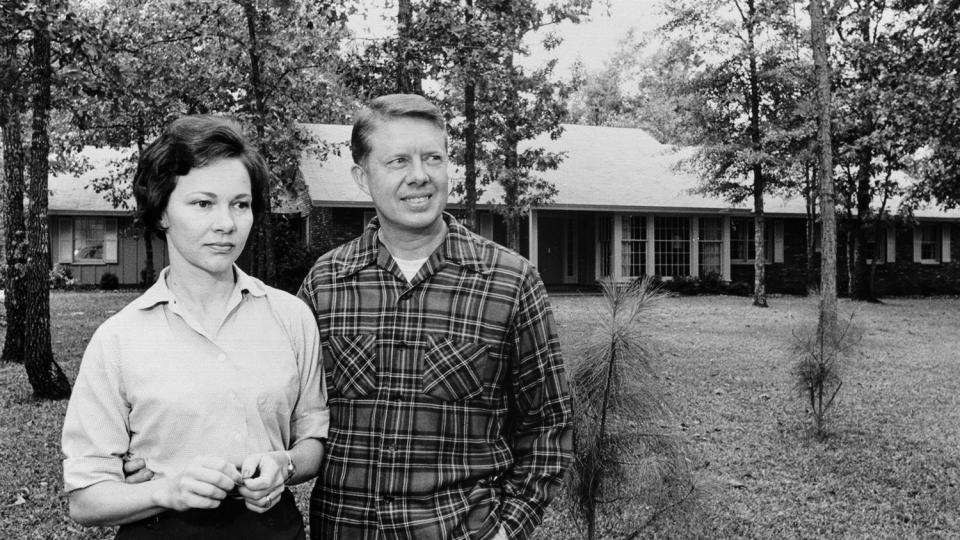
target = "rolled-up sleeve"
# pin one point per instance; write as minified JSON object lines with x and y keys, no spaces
{"x":96,"y":430}
{"x":311,"y":418}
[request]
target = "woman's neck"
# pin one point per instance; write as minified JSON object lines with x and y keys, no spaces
{"x":203,"y":295}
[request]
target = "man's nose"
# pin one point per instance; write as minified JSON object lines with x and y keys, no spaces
{"x":417,"y":172}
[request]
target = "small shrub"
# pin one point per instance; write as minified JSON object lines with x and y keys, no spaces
{"x":712,"y":283}
{"x":740,"y":288}
{"x":685,"y":285}
{"x":109,"y":282}
{"x":61,"y":277}
{"x":818,"y":351}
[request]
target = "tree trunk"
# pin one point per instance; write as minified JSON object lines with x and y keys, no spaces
{"x":470,"y":143}
{"x":262,"y":264}
{"x":408,"y":76}
{"x":828,"y":216}
{"x":13,"y":220}
{"x":45,"y":376}
{"x":860,"y":288}
{"x":149,"y":272}
{"x":810,"y":196}
{"x":759,"y":265}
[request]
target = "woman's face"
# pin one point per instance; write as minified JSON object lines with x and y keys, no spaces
{"x":208,"y":218}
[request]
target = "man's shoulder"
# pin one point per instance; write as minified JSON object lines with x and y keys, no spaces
{"x":497,"y":257}
{"x":337,"y":258}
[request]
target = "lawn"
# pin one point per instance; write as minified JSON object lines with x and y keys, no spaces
{"x":891,"y":469}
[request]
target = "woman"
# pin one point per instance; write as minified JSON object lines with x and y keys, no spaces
{"x":210,"y":377}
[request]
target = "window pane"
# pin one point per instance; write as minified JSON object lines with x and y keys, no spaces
{"x":88,"y":239}
{"x":634,"y":246}
{"x":742,"y":245}
{"x":711,"y":242}
{"x":930,"y":242}
{"x":672,"y":246}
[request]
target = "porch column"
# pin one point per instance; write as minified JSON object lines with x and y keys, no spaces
{"x":725,"y":250}
{"x":616,"y":249}
{"x":695,"y":246}
{"x":534,"y":243}
{"x":651,"y":248}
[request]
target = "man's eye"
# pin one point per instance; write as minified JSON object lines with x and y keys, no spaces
{"x":397,"y":162}
{"x":434,"y":159}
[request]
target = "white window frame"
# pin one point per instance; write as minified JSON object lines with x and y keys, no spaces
{"x":942,"y":243}
{"x":66,"y":241}
{"x":770,"y":245}
{"x":889,"y":238}
{"x":642,"y":243}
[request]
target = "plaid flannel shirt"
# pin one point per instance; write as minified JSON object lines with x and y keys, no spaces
{"x":450,"y":413}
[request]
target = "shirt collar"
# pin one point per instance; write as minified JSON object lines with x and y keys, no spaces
{"x":460,"y":246}
{"x":159,"y":293}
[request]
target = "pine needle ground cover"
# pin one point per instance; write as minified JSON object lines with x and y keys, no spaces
{"x":890,"y":469}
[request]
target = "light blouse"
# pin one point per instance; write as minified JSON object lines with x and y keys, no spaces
{"x":153,"y":384}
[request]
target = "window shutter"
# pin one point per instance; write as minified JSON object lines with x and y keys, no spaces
{"x":945,"y":244}
{"x":891,"y":244}
{"x":65,"y":240}
{"x":778,"y":241}
{"x":110,"y":240}
{"x":917,"y":235}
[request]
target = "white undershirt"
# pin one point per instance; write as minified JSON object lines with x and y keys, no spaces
{"x":410,"y":267}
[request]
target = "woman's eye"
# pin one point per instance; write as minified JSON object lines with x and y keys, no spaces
{"x":203,"y":204}
{"x":243,"y":205}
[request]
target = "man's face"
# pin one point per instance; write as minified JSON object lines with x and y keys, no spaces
{"x":405,"y":174}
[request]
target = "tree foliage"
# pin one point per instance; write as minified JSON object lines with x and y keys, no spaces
{"x":471,"y":48}
{"x":264,"y":63}
{"x":742,"y":96}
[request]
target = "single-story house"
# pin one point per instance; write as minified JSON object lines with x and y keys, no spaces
{"x":622,"y":210}
{"x":91,"y":236}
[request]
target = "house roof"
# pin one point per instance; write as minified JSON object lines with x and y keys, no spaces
{"x":72,"y":194}
{"x":605,"y":168}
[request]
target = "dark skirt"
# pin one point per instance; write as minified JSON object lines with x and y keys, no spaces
{"x":230,"y":521}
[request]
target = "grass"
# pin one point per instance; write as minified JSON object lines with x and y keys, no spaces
{"x":891,"y":469}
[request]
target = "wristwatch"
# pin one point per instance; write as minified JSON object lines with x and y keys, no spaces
{"x":291,"y":467}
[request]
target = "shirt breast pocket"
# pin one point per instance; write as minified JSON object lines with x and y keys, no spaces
{"x":454,"y":370}
{"x":350,"y":363}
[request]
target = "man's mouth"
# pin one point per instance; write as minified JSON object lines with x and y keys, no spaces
{"x":416,"y":198}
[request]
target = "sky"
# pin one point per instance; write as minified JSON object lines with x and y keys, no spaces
{"x":593,"y":40}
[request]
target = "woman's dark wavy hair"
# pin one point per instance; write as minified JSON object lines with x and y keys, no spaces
{"x":187,"y":143}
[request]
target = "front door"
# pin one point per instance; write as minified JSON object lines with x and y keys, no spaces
{"x":558,"y":249}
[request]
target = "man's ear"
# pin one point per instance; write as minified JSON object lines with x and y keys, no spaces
{"x":360,"y":177}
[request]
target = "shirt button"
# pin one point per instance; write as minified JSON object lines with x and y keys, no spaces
{"x":222,"y":358}
{"x":388,"y":499}
{"x":236,"y":436}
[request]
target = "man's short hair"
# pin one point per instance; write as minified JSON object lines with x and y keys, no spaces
{"x":389,"y":107}
{"x":188,"y":143}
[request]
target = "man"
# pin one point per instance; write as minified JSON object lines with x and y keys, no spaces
{"x":450,"y":416}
